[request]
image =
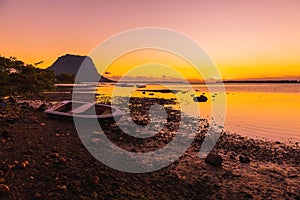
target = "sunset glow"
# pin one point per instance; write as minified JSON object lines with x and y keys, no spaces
{"x":245,"y":39}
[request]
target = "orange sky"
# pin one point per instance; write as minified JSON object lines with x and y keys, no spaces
{"x":245,"y":39}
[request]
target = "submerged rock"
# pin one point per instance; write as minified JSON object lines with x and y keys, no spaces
{"x":214,"y":159}
{"x":201,"y":98}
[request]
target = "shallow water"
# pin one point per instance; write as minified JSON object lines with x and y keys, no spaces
{"x":259,"y":110}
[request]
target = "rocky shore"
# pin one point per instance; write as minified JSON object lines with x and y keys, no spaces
{"x":44,"y":158}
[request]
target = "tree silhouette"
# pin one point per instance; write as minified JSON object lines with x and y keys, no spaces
{"x":18,"y":78}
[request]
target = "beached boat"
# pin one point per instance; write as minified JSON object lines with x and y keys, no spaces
{"x":85,"y":110}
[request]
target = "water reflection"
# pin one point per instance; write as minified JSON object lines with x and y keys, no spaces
{"x":256,"y":110}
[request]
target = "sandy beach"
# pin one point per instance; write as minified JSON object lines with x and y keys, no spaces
{"x":44,"y":158}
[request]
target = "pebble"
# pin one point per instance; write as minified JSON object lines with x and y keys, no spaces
{"x":292,"y":175}
{"x":23,"y":165}
{"x":6,"y":134}
{"x":214,"y":159}
{"x":62,"y":160}
{"x":62,"y":187}
{"x":95,"y":180}
{"x":55,"y":155}
{"x":94,"y":195}
{"x":76,"y":183}
{"x":2,"y":180}
{"x":37,"y":195}
{"x":244,"y":159}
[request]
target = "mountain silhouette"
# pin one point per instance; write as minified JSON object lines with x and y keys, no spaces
{"x":71,"y":64}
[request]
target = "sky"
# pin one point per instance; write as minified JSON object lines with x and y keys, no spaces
{"x":245,"y":39}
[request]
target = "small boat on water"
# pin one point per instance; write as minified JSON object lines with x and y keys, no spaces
{"x":85,"y":110}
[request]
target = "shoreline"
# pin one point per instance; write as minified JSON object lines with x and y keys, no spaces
{"x":59,"y":166}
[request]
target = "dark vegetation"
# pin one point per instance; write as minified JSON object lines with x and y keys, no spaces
{"x":18,"y":78}
{"x":65,"y":78}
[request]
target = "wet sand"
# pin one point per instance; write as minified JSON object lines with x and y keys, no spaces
{"x":43,"y":158}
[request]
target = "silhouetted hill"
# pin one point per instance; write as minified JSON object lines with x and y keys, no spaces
{"x":70,"y":64}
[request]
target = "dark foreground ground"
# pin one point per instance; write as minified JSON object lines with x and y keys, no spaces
{"x":43,"y":158}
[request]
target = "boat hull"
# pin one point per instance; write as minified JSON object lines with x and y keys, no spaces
{"x":85,"y":111}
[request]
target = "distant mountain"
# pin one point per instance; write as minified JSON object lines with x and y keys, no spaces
{"x":70,"y":64}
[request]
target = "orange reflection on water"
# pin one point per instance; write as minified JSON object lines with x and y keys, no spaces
{"x":263,"y":114}
{"x":270,"y":115}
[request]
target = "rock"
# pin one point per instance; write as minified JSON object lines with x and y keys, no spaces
{"x":54,"y":155}
{"x":76,"y":183}
{"x":232,"y":157}
{"x":94,"y":195}
{"x":246,"y":195}
{"x":37,"y":195}
{"x":201,"y":98}
{"x":95,"y":180}
{"x":244,"y":159}
{"x":293,"y":176}
{"x":28,"y":152}
{"x":2,"y":180}
{"x":214,"y":159}
{"x":4,"y":189}
{"x":62,"y":160}
{"x":11,"y":121}
{"x":23,"y":165}
{"x":62,"y":187}
{"x":6,"y":134}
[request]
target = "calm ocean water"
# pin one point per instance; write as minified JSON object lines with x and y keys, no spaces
{"x":259,"y":110}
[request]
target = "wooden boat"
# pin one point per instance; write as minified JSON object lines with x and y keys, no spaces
{"x":85,"y":110}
